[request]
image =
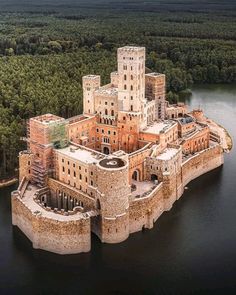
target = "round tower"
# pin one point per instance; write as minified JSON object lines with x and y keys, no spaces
{"x":113,"y":199}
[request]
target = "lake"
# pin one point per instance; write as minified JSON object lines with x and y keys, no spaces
{"x":191,"y":250}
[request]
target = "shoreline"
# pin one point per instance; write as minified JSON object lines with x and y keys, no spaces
{"x":8,"y":182}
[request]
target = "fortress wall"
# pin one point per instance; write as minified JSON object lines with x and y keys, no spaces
{"x":115,"y":230}
{"x":201,"y":163}
{"x":137,"y":162}
{"x":145,"y":211}
{"x":58,"y":236}
{"x":172,"y":189}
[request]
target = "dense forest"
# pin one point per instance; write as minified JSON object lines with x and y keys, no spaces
{"x":46,"y":48}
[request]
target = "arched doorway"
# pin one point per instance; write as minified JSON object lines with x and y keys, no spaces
{"x":106,"y":150}
{"x":154,"y":177}
{"x":136,"y":175}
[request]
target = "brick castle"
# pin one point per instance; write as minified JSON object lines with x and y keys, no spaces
{"x":114,"y":169}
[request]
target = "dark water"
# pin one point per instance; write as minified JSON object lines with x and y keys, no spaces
{"x":191,"y":250}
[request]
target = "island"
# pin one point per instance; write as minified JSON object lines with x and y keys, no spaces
{"x":114,"y":169}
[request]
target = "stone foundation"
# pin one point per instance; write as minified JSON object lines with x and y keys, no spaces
{"x":69,"y":234}
{"x":66,"y":236}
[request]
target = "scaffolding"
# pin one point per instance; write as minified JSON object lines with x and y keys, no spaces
{"x":58,"y":134}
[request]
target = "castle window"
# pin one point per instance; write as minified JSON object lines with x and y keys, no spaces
{"x":91,"y":182}
{"x":105,"y":102}
{"x":97,"y":130}
{"x":91,"y":173}
{"x":63,"y":169}
{"x":112,"y":112}
{"x":68,"y":181}
{"x":28,"y":162}
{"x":114,"y":133}
{"x":29,"y":171}
{"x":131,"y":108}
{"x":68,"y":171}
{"x":125,"y":87}
{"x":131,"y":87}
{"x":106,"y":112}
{"x":112,"y":103}
{"x":74,"y":165}
{"x":123,"y":118}
{"x":131,"y":97}
{"x":79,"y":167}
{"x":88,"y":101}
{"x":132,"y":77}
{"x":102,"y":131}
{"x":86,"y":179}
{"x":74,"y":174}
{"x":62,"y":160}
{"x":125,"y":77}
{"x":109,"y":132}
{"x":68,"y":163}
{"x":80,"y":176}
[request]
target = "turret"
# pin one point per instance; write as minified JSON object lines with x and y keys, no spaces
{"x":90,"y":84}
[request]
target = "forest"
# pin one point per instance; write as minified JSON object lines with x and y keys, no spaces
{"x":46,"y":48}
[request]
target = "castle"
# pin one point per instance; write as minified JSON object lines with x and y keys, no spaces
{"x":114,"y":169}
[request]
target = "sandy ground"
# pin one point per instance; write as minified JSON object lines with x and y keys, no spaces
{"x":226,"y":140}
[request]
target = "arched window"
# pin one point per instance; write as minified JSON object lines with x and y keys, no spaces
{"x":112,"y":112}
{"x":131,"y":87}
{"x":132,"y":77}
{"x":125,"y":87}
{"x":106,"y":112}
{"x":131,"y":108}
{"x":125,"y":77}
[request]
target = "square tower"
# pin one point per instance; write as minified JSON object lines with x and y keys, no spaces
{"x":47,"y":132}
{"x":131,"y":71}
{"x":155,"y":89}
{"x":90,"y":84}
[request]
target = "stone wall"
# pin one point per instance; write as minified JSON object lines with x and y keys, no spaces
{"x":201,"y":163}
{"x":145,"y":211}
{"x":67,"y":236}
{"x":25,"y":163}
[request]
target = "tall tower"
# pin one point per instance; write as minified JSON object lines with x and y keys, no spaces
{"x":90,"y":84}
{"x":113,"y":200}
{"x":156,"y":90}
{"x":131,"y":71}
{"x":47,"y":132}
